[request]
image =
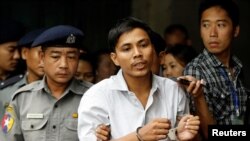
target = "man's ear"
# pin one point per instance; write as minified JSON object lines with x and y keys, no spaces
{"x":114,"y":58}
{"x":41,"y":56}
{"x":162,"y":53}
{"x":237,"y":31}
{"x":161,"y":56}
{"x":24,"y":52}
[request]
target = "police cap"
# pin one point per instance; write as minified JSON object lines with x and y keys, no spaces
{"x":60,"y":36}
{"x":10,"y":30}
{"x":28,"y":38}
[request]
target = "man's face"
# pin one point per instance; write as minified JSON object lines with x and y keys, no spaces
{"x":33,"y":61}
{"x":105,"y":67}
{"x":60,"y":64}
{"x":9,"y":56}
{"x":134,"y":53}
{"x":217,"y":30}
{"x":85,"y":71}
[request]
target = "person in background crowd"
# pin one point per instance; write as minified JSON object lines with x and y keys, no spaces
{"x":219,"y":67}
{"x":159,"y":48}
{"x":176,"y":58}
{"x":34,"y":67}
{"x":176,"y":34}
{"x":85,"y":70}
{"x":10,"y":32}
{"x":104,"y":67}
{"x":47,"y":109}
{"x":136,"y":104}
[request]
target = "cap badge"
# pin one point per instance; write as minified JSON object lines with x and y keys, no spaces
{"x":71,"y":39}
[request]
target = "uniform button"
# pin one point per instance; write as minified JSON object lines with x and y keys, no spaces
{"x":54,"y":127}
{"x":31,"y":126}
{"x":56,"y":106}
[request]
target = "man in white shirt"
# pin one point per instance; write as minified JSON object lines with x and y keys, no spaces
{"x":135,"y":103}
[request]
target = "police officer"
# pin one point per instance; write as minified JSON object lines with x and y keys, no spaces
{"x":47,"y":109}
{"x":34,"y":67}
{"x":10,"y":32}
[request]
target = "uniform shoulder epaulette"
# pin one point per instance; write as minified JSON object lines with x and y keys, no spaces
{"x":10,"y":81}
{"x":86,"y":84}
{"x":28,"y":87}
{"x":79,"y":87}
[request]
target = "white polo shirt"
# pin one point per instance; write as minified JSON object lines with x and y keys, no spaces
{"x":110,"y":102}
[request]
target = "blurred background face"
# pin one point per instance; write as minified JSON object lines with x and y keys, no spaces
{"x":85,"y":71}
{"x":60,"y":64}
{"x":33,"y":61}
{"x":171,"y":66}
{"x":105,"y":67}
{"x":177,"y":37}
{"x":9,"y":56}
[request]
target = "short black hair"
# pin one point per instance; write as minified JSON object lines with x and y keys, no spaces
{"x":88,"y":58}
{"x":184,"y":53}
{"x":97,"y":56}
{"x":125,"y":25}
{"x":229,"y":6}
{"x":158,"y":42}
{"x":176,"y":27}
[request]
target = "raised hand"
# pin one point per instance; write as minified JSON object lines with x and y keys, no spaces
{"x":188,"y":127}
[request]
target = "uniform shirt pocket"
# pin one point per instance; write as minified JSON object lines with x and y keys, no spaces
{"x":70,"y":129}
{"x":71,"y":124}
{"x":33,"y":129}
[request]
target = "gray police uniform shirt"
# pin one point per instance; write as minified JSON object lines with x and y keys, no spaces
{"x":2,"y":137}
{"x":35,"y":115}
{"x":10,"y":81}
{"x":7,"y":92}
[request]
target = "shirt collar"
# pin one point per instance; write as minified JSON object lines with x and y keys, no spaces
{"x":120,"y":84}
{"x":215,"y":61}
{"x":77,"y":87}
{"x":73,"y":86}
